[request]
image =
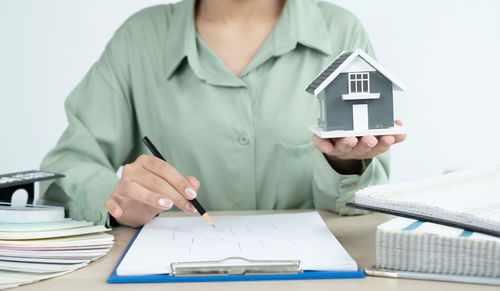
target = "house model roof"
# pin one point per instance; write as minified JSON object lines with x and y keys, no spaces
{"x":340,"y":63}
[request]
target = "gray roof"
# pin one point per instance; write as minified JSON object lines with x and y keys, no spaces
{"x":327,"y":72}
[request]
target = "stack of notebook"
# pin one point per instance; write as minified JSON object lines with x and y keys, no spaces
{"x":411,"y":245}
{"x":460,"y":239}
{"x":38,"y":243}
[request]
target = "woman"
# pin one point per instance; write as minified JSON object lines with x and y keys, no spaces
{"x":219,"y":87}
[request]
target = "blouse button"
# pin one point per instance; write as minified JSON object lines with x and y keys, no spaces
{"x":244,"y":140}
{"x":82,"y":212}
{"x":98,"y":216}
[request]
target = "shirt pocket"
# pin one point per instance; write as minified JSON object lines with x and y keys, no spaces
{"x":294,"y":176}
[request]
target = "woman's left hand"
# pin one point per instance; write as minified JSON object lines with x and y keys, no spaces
{"x":342,"y":153}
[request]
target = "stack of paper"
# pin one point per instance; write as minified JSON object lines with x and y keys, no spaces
{"x":30,"y":252}
{"x":411,"y":245}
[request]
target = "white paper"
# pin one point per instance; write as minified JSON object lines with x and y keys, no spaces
{"x":38,"y":267}
{"x":70,"y":254}
{"x":11,"y":213}
{"x":34,"y":251}
{"x":9,"y":279}
{"x":298,"y":236}
{"x":44,"y":226}
{"x":22,"y":235}
{"x":69,"y":241}
{"x":43,"y":260}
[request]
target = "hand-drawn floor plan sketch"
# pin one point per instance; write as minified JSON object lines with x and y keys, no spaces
{"x":297,"y":236}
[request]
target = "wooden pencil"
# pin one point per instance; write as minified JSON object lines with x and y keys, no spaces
{"x":194,"y":201}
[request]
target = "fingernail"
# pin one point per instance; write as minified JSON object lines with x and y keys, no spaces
{"x":165,"y":203}
{"x":189,"y":207}
{"x":116,"y":212}
{"x":190,"y":193}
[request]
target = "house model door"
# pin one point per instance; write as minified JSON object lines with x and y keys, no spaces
{"x":360,"y":116}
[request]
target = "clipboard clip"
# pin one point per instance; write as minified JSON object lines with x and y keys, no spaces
{"x":234,"y":266}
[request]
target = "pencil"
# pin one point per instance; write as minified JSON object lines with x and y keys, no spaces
{"x":195,"y":202}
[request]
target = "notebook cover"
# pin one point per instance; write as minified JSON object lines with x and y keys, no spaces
{"x":165,"y":278}
{"x":423,"y":217}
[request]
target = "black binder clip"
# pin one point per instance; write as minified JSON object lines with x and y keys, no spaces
{"x":10,"y":183}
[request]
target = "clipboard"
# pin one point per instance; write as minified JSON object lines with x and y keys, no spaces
{"x":230,"y":269}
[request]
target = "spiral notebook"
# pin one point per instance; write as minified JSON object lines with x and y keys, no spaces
{"x":467,"y":199}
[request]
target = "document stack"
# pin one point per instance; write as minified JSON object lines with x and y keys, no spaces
{"x":460,"y":240}
{"x":37,"y":242}
{"x":410,"y":245}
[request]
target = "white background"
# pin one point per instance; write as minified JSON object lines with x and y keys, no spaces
{"x":447,"y":53}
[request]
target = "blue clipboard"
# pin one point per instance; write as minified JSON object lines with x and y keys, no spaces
{"x":166,"y":278}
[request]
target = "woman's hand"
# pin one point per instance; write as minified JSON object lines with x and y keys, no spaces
{"x":148,"y":186}
{"x":345,"y":154}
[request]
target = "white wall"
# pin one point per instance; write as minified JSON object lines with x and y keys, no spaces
{"x":46,"y":49}
{"x":445,"y":51}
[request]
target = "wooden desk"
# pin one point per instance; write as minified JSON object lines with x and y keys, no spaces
{"x":356,"y":233}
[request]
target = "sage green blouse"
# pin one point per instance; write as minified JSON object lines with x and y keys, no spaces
{"x":244,"y":138}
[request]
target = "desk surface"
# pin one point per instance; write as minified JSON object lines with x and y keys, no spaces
{"x":355,"y":233}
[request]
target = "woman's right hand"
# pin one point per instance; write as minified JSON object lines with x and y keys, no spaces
{"x":147,"y":186}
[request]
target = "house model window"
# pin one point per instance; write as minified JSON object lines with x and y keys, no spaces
{"x":359,"y":83}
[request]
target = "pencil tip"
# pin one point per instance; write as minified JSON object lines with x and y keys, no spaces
{"x":208,"y":219}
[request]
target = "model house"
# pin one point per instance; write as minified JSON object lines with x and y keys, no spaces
{"x":355,"y":97}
